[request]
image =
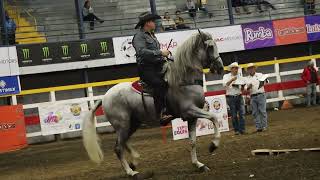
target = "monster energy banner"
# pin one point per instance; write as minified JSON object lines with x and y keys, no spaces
{"x":62,"y":52}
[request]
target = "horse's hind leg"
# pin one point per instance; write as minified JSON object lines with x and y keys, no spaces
{"x":123,"y":136}
{"x":193,"y":138}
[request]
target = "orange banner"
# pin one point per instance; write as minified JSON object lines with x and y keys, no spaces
{"x":12,"y":128}
{"x":290,"y":31}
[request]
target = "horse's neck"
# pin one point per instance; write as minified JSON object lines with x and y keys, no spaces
{"x":193,"y":74}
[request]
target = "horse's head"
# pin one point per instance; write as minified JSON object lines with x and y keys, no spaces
{"x":209,"y":53}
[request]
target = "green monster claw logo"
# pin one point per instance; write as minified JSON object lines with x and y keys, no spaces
{"x":46,"y":52}
{"x":84,"y":48}
{"x":26,"y":53}
{"x":104,"y":46}
{"x":65,"y":50}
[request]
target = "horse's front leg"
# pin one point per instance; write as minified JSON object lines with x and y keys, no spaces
{"x":195,"y":112}
{"x":193,"y":138}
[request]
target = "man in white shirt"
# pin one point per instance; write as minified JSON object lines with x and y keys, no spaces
{"x":234,"y":83}
{"x":255,"y":82}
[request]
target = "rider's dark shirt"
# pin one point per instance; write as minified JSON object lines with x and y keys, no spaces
{"x":147,"y":48}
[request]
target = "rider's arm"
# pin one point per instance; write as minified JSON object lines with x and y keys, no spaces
{"x":139,"y":43}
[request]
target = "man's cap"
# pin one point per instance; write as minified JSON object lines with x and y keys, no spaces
{"x":232,"y":65}
{"x":251,"y":65}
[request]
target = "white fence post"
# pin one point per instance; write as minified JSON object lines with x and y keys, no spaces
{"x":278,"y":77}
{"x":14,"y":100}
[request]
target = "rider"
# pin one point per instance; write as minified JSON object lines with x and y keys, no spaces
{"x":150,"y":60}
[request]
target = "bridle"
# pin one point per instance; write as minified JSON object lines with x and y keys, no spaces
{"x":205,"y":45}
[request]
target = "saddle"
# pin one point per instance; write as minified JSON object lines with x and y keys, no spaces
{"x":141,"y":87}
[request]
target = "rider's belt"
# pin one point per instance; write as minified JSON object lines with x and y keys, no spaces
{"x":233,"y":96}
{"x":254,"y":95}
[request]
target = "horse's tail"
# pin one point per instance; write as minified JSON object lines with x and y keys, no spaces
{"x":90,"y":137}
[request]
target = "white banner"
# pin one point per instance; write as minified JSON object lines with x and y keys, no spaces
{"x":214,"y":104}
{"x":228,"y":38}
{"x":8,"y":61}
{"x":61,"y":118}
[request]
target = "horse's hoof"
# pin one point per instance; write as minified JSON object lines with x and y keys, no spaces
{"x":132,"y":166}
{"x":141,"y":176}
{"x":212,"y":147}
{"x":204,"y":168}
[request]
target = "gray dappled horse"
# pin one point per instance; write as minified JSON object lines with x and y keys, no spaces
{"x":125,"y":108}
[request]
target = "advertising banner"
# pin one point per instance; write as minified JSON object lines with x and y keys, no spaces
{"x":9,"y":85}
{"x":258,"y":35}
{"x":8,"y":61}
{"x":228,"y":38}
{"x":313,"y":27}
{"x":61,"y":118}
{"x":214,"y":104}
{"x":12,"y":128}
{"x":290,"y":31}
{"x":62,"y":52}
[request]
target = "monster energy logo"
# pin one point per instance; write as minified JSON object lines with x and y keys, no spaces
{"x":104,"y":46}
{"x":46,"y":52}
{"x":26,"y":53}
{"x":65,"y":50}
{"x":84,"y":48}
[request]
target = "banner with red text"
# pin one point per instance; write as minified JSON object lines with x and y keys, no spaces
{"x":214,"y":104}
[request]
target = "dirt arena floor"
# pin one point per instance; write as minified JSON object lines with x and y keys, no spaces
{"x":297,"y":128}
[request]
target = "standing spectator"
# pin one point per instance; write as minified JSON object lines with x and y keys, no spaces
{"x":309,"y":7}
{"x":202,"y":4}
{"x":88,"y":14}
{"x":255,"y":83}
{"x":233,"y":83}
{"x":311,"y":78}
{"x":168,"y":23}
{"x":180,"y":24}
{"x":191,"y":7}
{"x":11,"y":27}
{"x":266,"y":3}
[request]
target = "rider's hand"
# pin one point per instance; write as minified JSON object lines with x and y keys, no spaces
{"x":165,"y":53}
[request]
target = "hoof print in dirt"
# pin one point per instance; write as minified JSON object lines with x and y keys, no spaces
{"x":204,"y":169}
{"x":212,"y":147}
{"x":142,"y":176}
{"x":132,"y":166}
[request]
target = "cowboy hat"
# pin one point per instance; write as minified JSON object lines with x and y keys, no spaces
{"x":251,"y":65}
{"x":233,"y":65}
{"x":145,"y":17}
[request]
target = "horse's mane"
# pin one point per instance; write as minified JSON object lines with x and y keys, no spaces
{"x":185,"y":58}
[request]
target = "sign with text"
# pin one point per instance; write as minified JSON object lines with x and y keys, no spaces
{"x":62,"y":52}
{"x":12,"y":128}
{"x":9,"y":85}
{"x":214,"y":104}
{"x":290,"y":31}
{"x":228,"y":38}
{"x":8,"y":61}
{"x":61,"y":118}
{"x":313,"y":27}
{"x":258,"y":35}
